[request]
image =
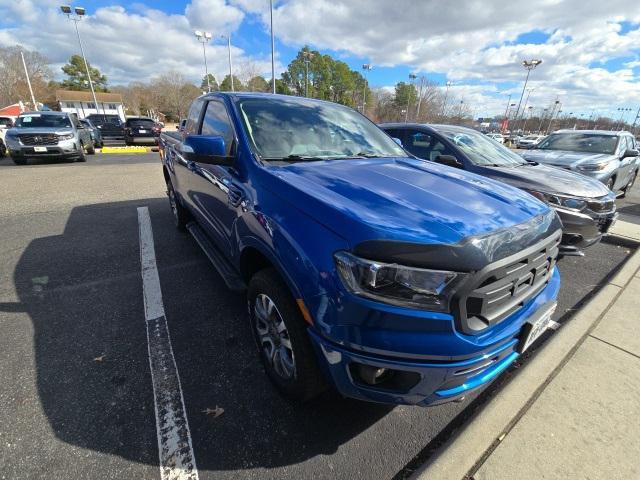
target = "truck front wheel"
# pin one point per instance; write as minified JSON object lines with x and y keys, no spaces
{"x":281,"y":335}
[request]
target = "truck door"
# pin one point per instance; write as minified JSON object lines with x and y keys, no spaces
{"x":216,"y":191}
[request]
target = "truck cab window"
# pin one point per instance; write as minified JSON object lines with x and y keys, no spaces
{"x":216,"y":122}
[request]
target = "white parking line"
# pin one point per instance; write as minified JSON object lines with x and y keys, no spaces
{"x":175,"y":449}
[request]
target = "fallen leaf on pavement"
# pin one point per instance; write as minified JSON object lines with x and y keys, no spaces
{"x":100,"y":358}
{"x":215,"y":412}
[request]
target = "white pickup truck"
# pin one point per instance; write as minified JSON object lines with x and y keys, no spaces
{"x":5,"y":124}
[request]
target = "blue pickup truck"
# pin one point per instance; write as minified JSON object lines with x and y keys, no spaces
{"x":393,"y":279}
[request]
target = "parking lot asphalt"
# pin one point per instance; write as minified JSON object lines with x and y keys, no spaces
{"x":76,"y":397}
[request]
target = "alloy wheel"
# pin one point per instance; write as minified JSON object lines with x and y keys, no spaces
{"x":273,"y":337}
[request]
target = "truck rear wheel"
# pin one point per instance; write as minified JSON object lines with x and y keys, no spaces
{"x":282,"y":339}
{"x":180,"y":214}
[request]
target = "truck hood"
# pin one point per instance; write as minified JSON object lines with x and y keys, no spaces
{"x":401,"y":199}
{"x":563,"y":158}
{"x":546,"y":179}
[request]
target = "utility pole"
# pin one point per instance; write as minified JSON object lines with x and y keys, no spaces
{"x":307,"y":55}
{"x":365,"y":67}
{"x":446,"y":94}
{"x":26,"y":73}
{"x":273,"y":49}
{"x":633,"y":127}
{"x":529,"y":65}
{"x":79,"y":13}
{"x":422,"y":82}
{"x":412,"y":77}
{"x":228,"y":37}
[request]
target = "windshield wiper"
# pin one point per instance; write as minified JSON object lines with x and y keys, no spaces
{"x":293,"y":158}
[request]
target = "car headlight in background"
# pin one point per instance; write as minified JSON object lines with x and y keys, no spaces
{"x":66,"y":136}
{"x":593,"y":167}
{"x":571,"y":203}
{"x":397,"y":284}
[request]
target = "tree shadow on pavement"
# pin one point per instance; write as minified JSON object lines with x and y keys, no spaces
{"x":83,"y":292}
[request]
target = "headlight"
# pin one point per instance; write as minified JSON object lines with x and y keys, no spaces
{"x":397,"y":284}
{"x":593,"y":167}
{"x":560,"y":201}
{"x":66,"y":136}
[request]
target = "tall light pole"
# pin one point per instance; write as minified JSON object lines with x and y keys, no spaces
{"x":529,"y":65}
{"x":26,"y":73}
{"x":524,"y":108}
{"x":542,"y":116}
{"x":422,"y":82}
{"x":307,"y":55}
{"x":79,"y":13}
{"x":365,"y":68}
{"x":526,"y":119}
{"x":228,"y":37}
{"x":273,"y":49}
{"x":446,"y":94}
{"x":635,"y":120}
{"x":204,"y":38}
{"x":553,"y":112}
{"x":412,"y":77}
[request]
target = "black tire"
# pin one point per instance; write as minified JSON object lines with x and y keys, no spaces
{"x":306,"y":382}
{"x":82,"y":157}
{"x":629,"y":186}
{"x":180,"y":214}
{"x":610,"y":183}
{"x":3,"y":149}
{"x":19,"y":161}
{"x":92,"y":149}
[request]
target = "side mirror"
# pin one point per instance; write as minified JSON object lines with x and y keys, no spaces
{"x":630,"y":153}
{"x":183,"y":123}
{"x":206,"y":149}
{"x":397,"y":140}
{"x":449,"y":160}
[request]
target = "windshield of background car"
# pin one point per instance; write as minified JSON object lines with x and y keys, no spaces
{"x":103,"y":119}
{"x":481,"y":150}
{"x":6,"y":122}
{"x":580,"y":142}
{"x":43,"y":121}
{"x":140,"y":122}
{"x":281,"y":129}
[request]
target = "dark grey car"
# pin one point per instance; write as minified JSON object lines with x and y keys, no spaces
{"x":610,"y":157}
{"x":585,"y":206}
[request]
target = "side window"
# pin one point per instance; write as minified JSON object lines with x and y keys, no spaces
{"x":216,"y":122}
{"x":424,"y":145}
{"x":396,"y":133}
{"x":193,"y":118}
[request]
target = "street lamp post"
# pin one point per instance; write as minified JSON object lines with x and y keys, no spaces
{"x":412,"y":77}
{"x":529,"y":65}
{"x":203,"y":38}
{"x":526,"y":102}
{"x":446,"y":94}
{"x":228,"y":37}
{"x":273,"y":49}
{"x":307,"y":55}
{"x":553,"y":112}
{"x":526,"y":119}
{"x":79,"y":13}
{"x":365,"y":68}
{"x":26,"y":73}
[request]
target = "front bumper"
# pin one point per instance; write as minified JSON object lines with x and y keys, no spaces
{"x":437,"y":378}
{"x":61,"y":150}
{"x":581,"y":230}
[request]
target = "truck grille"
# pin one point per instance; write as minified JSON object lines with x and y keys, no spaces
{"x":38,"y":139}
{"x":501,"y":288}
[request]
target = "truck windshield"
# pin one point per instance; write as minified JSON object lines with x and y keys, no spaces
{"x":298,"y":130}
{"x":43,"y":121}
{"x":580,"y":142}
{"x":482,"y":151}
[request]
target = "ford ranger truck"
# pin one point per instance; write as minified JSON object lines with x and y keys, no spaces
{"x":392,"y":279}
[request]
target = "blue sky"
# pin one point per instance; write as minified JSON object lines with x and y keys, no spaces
{"x":590,"y":50}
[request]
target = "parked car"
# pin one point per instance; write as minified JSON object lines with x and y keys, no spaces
{"x":141,"y":130}
{"x":394,"y":279}
{"x":49,"y":135}
{"x":529,"y":141}
{"x":5,"y":124}
{"x":496,"y":136}
{"x":610,"y":157}
{"x":111,"y":126}
{"x":96,"y":134}
{"x":585,"y":206}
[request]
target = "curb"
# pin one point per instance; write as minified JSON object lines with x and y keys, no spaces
{"x":130,"y":149}
{"x":465,"y":452}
